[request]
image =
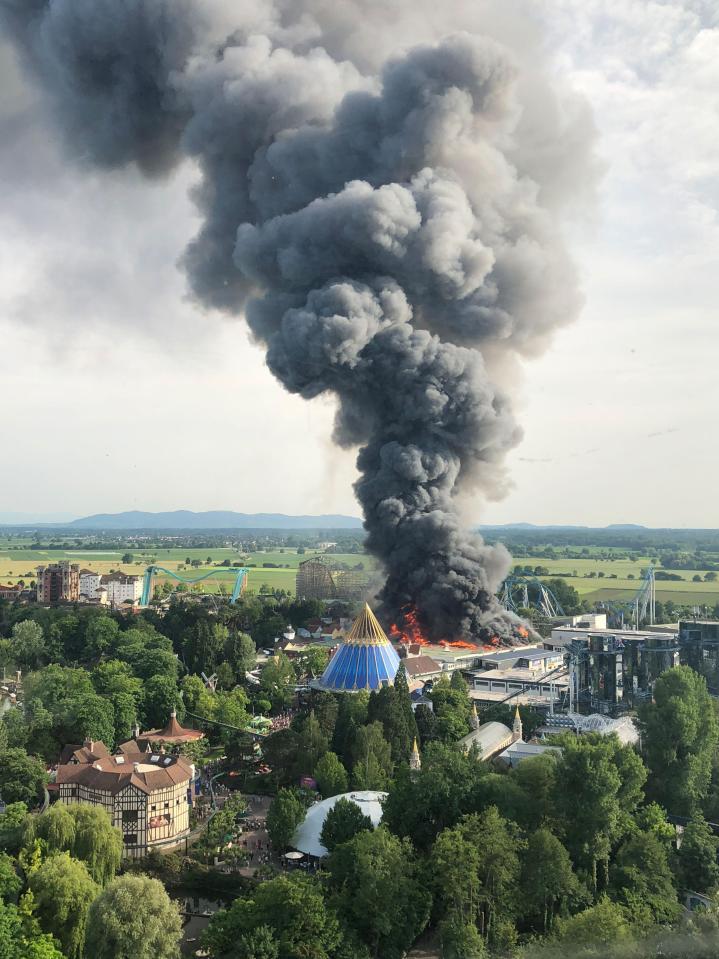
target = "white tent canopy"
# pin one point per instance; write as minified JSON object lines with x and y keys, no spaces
{"x":307,"y":834}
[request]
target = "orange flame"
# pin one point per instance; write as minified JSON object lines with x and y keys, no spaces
{"x":411,"y":633}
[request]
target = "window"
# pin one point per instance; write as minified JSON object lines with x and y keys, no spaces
{"x":129,"y":815}
{"x":167,"y":805}
{"x":130,"y":839}
{"x":153,"y":808}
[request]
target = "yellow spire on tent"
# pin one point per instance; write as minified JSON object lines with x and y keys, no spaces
{"x":366,"y":630}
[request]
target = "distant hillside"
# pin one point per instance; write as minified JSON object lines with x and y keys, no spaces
{"x":213,"y":519}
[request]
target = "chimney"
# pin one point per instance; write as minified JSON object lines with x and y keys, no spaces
{"x":136,"y":767}
{"x":136,"y":730}
{"x":173,"y":714}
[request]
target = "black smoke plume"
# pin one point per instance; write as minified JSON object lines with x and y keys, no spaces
{"x":390,"y":231}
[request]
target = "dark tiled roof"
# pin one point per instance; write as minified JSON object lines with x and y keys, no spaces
{"x":112,"y":774}
{"x":419,"y":665}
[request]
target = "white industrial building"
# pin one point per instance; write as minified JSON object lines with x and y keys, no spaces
{"x":531,"y":675}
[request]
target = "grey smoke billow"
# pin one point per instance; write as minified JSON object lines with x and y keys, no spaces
{"x":388,"y":221}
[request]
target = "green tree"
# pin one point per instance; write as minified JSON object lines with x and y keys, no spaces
{"x":292,"y":907}
{"x":312,"y":745}
{"x":331,"y":775}
{"x":21,"y":939}
{"x":63,"y":891}
{"x":342,"y":823}
{"x":311,"y":662}
{"x":392,"y":707}
{"x":446,"y":788}
{"x":452,"y":709}
{"x":680,"y":732}
{"x":604,"y":924}
{"x":225,"y":676}
{"x":133,"y":918}
{"x":492,"y":870}
{"x":10,"y":882}
{"x":285,"y":814}
{"x":460,"y":940}
{"x":547,"y":879}
{"x":697,"y":857}
{"x":351,"y":714}
{"x":277,"y":681}
{"x":97,"y":842}
{"x":597,"y":789}
{"x":12,"y":827}
{"x":161,"y":697}
{"x":28,"y":644}
{"x":21,"y":777}
{"x":537,"y":778}
{"x":259,"y":943}
{"x":375,"y":884}
{"x":642,"y":881}
{"x":372,"y":760}
{"x":241,"y":653}
{"x":196,"y":697}
{"x":100,"y":635}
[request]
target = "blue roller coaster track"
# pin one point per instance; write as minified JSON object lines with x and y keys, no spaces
{"x":240,"y":580}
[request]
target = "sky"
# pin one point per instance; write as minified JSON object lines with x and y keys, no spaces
{"x":118,"y":392}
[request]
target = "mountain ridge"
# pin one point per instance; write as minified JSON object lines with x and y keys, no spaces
{"x":213,"y":519}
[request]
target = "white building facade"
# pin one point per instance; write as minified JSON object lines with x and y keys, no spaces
{"x":122,"y":588}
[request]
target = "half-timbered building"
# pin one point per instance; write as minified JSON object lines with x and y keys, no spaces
{"x":147,"y":794}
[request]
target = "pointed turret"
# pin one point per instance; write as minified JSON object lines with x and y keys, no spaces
{"x":415,"y":762}
{"x":517,"y":733}
{"x":474,"y":718}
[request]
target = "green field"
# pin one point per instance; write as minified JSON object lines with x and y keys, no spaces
{"x":576,"y":573}
{"x":17,"y":564}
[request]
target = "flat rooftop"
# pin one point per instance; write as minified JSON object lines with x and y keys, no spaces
{"x":530,"y":653}
{"x":624,"y":634}
{"x":521,"y":674}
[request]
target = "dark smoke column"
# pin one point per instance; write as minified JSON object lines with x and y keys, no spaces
{"x":392,"y":239}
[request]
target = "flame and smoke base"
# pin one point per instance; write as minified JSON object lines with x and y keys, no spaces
{"x":389,"y":230}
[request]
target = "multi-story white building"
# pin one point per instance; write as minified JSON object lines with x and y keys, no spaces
{"x":122,"y":588}
{"x":90,"y":584}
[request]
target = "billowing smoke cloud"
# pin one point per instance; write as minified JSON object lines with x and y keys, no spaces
{"x":390,"y":231}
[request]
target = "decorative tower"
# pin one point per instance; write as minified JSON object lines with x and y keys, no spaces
{"x":415,"y":763}
{"x":517,"y":735}
{"x":474,"y":718}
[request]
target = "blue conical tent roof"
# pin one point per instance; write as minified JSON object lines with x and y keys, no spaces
{"x":365,"y":660}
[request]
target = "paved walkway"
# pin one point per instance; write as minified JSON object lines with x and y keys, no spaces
{"x":254,"y":836}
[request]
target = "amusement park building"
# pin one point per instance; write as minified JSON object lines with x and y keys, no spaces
{"x":307,"y":835}
{"x":365,"y":660}
{"x":147,"y":794}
